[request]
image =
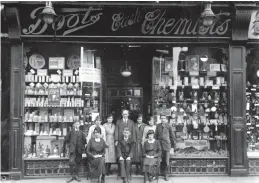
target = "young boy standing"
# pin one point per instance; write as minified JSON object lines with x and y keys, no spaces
{"x":77,"y":141}
{"x":125,"y":149}
{"x":165,"y":135}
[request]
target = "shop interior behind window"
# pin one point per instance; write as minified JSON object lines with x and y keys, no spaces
{"x":187,"y":83}
{"x":252,"y":109}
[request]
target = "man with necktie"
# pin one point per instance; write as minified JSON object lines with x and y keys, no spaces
{"x":77,"y":141}
{"x":165,"y":135}
{"x":125,"y":149}
{"x":123,"y":123}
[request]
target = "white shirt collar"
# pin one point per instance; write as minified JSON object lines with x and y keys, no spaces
{"x":151,"y":141}
{"x":97,"y":139}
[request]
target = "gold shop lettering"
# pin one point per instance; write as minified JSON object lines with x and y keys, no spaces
{"x":71,"y":22}
{"x":120,"y":20}
{"x":155,"y":23}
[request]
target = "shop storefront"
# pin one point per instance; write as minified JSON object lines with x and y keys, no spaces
{"x":71,"y":70}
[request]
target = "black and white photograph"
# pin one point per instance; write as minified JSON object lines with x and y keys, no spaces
{"x":129,"y":91}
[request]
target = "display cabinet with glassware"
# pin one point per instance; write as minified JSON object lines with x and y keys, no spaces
{"x":194,"y":97}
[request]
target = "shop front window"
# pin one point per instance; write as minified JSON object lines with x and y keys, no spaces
{"x":190,"y":87}
{"x":62,"y":86}
{"x":252,"y":105}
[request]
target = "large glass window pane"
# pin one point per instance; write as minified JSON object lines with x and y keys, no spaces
{"x":191,"y":89}
{"x":252,"y":106}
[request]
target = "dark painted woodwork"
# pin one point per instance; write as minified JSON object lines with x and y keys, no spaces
{"x":241,"y":25}
{"x":237,"y":102}
{"x":13,"y":19}
{"x":16,"y":93}
{"x":5,"y":111}
{"x":16,"y":112}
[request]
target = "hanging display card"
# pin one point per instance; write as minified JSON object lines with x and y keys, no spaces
{"x":67,"y":72}
{"x":198,"y":144}
{"x":92,"y":75}
{"x":54,"y":96}
{"x":42,"y":72}
{"x":168,"y":64}
{"x":56,"y":62}
{"x":193,"y":63}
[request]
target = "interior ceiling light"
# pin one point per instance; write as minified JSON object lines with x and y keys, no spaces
{"x":48,"y":14}
{"x":207,"y":16}
{"x":204,"y":58}
{"x":126,"y":70}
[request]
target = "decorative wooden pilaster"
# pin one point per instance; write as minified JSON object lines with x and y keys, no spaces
{"x":16,"y":89}
{"x":237,"y":102}
{"x":237,"y":94}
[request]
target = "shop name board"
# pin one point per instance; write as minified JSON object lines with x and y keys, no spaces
{"x":135,"y":21}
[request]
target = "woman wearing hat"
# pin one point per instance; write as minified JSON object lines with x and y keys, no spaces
{"x":151,"y":126}
{"x":110,"y":151}
{"x":152,"y":155}
{"x":95,"y":152}
{"x":97,"y":123}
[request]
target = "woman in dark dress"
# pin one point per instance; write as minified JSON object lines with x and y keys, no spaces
{"x":96,"y":153}
{"x":151,"y":155}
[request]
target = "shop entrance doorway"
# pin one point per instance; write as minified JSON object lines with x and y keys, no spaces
{"x":130,"y":98}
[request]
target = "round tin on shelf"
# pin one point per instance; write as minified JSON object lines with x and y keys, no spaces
{"x":73,"y":62}
{"x":37,"y":61}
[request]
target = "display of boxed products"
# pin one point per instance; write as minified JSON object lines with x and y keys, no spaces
{"x":54,"y":99}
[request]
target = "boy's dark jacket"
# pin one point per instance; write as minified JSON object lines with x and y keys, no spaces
{"x":71,"y":139}
{"x":125,"y":149}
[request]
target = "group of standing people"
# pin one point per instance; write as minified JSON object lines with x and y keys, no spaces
{"x":146,"y":145}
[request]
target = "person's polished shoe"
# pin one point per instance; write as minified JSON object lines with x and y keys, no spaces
{"x":77,"y":178}
{"x":166,"y":178}
{"x":70,"y":179}
{"x":103,"y":179}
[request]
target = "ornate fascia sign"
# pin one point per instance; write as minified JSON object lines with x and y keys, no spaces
{"x":253,"y":31}
{"x":125,"y":21}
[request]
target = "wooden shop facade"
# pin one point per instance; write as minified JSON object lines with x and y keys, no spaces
{"x":204,"y":78}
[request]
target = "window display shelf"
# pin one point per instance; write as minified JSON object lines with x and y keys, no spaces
{"x":198,"y":157}
{"x":51,"y":167}
{"x":44,"y":159}
{"x":33,"y":95}
{"x":48,"y":122}
{"x":199,"y":165}
{"x":194,"y":98}
{"x":53,"y":107}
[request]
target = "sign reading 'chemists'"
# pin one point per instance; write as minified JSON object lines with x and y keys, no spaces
{"x":129,"y":21}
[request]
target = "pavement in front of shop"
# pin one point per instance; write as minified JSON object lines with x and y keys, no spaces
{"x":139,"y":179}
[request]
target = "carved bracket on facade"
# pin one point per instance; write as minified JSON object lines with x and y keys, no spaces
{"x":241,"y":25}
{"x":13,"y":19}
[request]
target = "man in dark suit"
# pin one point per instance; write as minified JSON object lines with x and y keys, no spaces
{"x":123,"y":123}
{"x":125,"y":149}
{"x":165,"y":135}
{"x":77,"y":141}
